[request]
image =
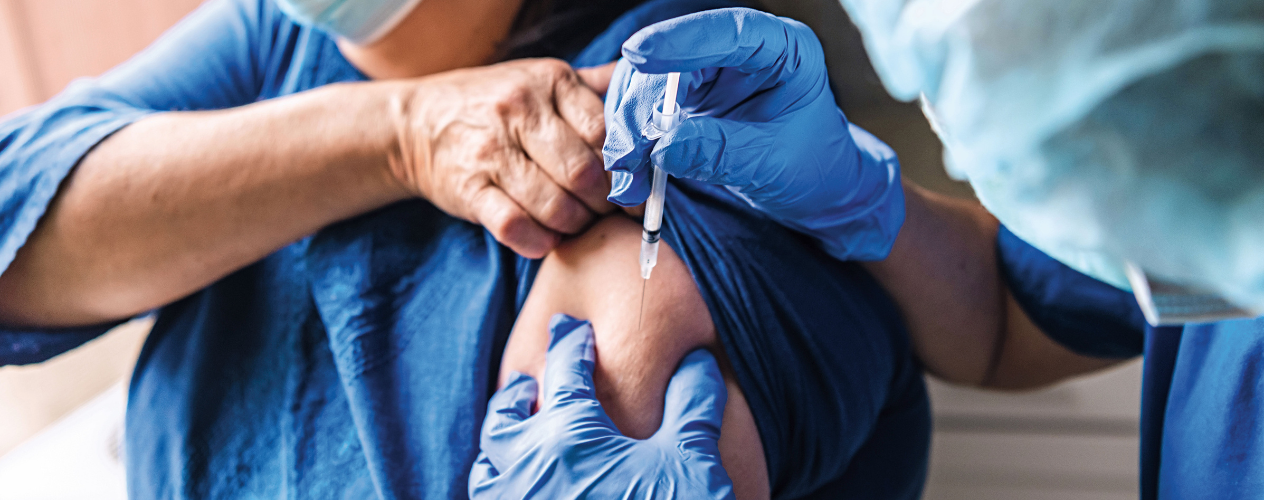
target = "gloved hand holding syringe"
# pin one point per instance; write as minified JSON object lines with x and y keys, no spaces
{"x":665,"y":119}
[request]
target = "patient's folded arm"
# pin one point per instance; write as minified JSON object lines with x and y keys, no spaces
{"x":595,"y":276}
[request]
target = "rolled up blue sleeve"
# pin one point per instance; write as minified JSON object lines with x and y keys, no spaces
{"x":1083,"y":314}
{"x":210,"y":60}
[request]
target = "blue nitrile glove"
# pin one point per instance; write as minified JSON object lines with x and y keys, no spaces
{"x":761,"y":120}
{"x":571,"y":449}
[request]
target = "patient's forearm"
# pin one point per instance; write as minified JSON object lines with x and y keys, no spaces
{"x":176,"y":201}
{"x":965,"y":326}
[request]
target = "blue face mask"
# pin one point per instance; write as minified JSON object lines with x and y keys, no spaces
{"x":360,"y":21}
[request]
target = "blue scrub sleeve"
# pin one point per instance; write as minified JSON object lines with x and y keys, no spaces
{"x":208,"y":61}
{"x":1083,"y":314}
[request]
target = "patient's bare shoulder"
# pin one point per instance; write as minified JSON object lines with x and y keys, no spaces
{"x":596,"y":276}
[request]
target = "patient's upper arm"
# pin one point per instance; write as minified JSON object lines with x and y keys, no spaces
{"x":596,"y":276}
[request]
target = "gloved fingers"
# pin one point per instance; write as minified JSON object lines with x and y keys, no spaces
{"x":482,"y":477}
{"x":694,"y":405}
{"x":630,"y":189}
{"x":508,"y":408}
{"x":742,"y":38}
{"x":512,"y":403}
{"x":626,"y":150}
{"x":715,"y":150}
{"x":568,"y":371}
{"x":629,"y":108}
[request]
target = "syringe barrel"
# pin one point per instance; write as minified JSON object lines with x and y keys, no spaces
{"x":654,"y":205}
{"x":665,"y":119}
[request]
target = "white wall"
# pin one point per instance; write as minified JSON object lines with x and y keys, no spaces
{"x":1076,"y":441}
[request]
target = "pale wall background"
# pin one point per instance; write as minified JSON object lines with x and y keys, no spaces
{"x":44,"y":45}
{"x":1074,"y":441}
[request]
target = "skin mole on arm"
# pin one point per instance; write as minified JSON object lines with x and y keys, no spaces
{"x":595,"y":276}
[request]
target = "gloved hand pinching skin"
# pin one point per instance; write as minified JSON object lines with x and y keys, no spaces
{"x":571,"y":449}
{"x":761,"y":120}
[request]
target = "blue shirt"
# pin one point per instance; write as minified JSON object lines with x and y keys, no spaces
{"x":1201,"y":388}
{"x":357,"y":362}
{"x":341,"y":365}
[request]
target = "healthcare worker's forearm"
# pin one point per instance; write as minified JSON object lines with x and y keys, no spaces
{"x":942,"y":273}
{"x":965,"y":326}
{"x":178,"y":200}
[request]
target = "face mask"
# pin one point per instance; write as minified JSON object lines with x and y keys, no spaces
{"x":360,"y":21}
{"x":1166,"y":304}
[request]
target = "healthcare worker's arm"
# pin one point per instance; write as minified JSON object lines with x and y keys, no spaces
{"x":164,"y":175}
{"x":767,"y":129}
{"x":948,"y":275}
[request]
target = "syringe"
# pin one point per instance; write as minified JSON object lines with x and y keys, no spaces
{"x":667,"y":119}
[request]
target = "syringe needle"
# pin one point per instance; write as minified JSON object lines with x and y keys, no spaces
{"x":640,"y":314}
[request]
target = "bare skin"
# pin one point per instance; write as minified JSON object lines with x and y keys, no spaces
{"x":582,"y":278}
{"x":965,"y":325}
{"x":163,"y":208}
{"x":476,"y":27}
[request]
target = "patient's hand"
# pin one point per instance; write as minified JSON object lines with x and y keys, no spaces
{"x":522,"y":453}
{"x":596,"y":276}
{"x":513,"y":147}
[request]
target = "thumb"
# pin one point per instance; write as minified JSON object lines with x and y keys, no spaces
{"x":629,"y":189}
{"x":629,"y":107}
{"x":714,"y":150}
{"x":569,"y":363}
{"x":597,"y":78}
{"x":482,"y":477}
{"x":511,"y":404}
{"x":694,"y":405}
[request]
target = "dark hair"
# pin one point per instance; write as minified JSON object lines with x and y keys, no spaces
{"x":560,"y":28}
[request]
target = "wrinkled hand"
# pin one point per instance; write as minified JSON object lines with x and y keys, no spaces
{"x":762,"y":120}
{"x":571,"y":449}
{"x":510,"y":146}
